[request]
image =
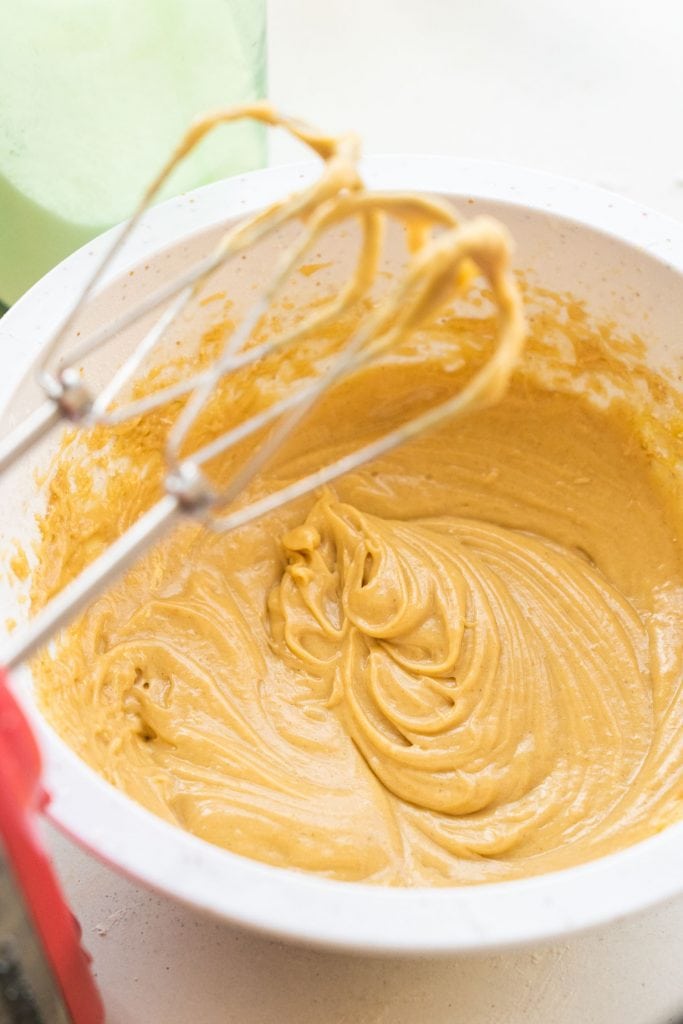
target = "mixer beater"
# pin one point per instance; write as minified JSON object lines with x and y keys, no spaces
{"x":445,"y":255}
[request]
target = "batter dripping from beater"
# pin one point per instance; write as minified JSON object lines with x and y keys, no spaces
{"x":461,"y":664}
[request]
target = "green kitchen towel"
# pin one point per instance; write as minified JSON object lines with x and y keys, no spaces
{"x":93,"y":96}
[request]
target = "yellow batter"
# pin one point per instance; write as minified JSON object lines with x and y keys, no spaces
{"x":461,"y":664}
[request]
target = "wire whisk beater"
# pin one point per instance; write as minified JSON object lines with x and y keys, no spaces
{"x":445,"y":255}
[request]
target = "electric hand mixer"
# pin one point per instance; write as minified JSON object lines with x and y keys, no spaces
{"x":444,"y":257}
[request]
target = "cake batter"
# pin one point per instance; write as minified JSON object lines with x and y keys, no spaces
{"x":460,"y":664}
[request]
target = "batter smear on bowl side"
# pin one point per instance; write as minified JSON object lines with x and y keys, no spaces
{"x":461,"y":663}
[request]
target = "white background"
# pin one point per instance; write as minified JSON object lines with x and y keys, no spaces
{"x":591,"y":89}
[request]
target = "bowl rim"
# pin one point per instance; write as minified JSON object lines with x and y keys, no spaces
{"x":291,"y":904}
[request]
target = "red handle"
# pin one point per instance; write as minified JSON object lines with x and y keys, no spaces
{"x":21,"y":797}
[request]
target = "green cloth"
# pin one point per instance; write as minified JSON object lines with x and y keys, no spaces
{"x":93,"y":96}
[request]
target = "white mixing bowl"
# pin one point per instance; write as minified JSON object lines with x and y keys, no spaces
{"x":627,"y":263}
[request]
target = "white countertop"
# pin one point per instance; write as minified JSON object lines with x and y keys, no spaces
{"x":158,"y":963}
{"x":591,"y":89}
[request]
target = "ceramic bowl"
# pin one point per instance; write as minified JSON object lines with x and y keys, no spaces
{"x":626,"y":262}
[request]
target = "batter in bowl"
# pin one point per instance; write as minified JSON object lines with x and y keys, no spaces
{"x":461,"y":664}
